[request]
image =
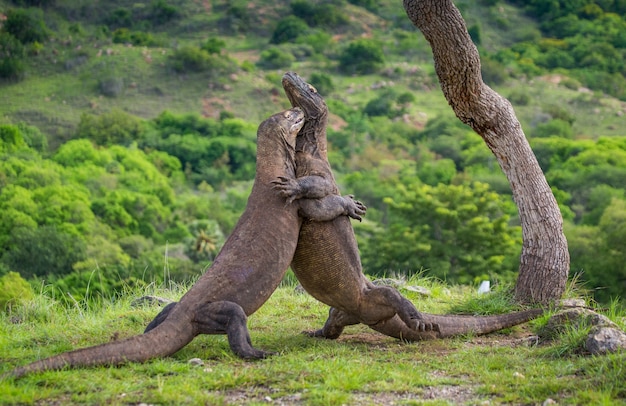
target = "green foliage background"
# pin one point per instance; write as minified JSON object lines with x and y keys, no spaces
{"x":127,"y":134}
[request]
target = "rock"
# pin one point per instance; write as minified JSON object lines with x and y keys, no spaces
{"x":419,"y":289}
{"x":575,"y":318}
{"x":197,"y":362}
{"x":150,"y":301}
{"x":602,"y":340}
{"x":574,"y":302}
{"x":395,"y":283}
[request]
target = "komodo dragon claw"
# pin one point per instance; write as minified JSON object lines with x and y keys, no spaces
{"x":287,"y":188}
{"x":355,"y":208}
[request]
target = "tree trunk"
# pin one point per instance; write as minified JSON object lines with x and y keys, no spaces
{"x":544,"y":262}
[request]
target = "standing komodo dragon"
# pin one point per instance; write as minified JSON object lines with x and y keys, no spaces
{"x":247,"y":270}
{"x":327,"y":261}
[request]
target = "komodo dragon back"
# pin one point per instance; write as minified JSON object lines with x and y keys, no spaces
{"x":327,"y":261}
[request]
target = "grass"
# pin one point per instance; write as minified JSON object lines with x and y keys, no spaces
{"x":362,"y":367}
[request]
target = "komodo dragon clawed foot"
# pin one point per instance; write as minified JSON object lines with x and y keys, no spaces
{"x":288,"y":188}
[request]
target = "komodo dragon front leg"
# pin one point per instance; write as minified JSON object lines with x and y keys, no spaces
{"x":327,"y":261}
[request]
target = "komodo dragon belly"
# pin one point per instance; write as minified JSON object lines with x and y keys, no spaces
{"x":320,"y":262}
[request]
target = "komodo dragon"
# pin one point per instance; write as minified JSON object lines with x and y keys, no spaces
{"x":327,"y":261}
{"x":247,"y":270}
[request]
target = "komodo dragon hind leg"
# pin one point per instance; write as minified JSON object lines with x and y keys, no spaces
{"x":336,"y":322}
{"x":380,"y":304}
{"x":230,"y":318}
{"x":219,"y":318}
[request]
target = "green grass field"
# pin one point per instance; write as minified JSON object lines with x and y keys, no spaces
{"x":362,"y":367}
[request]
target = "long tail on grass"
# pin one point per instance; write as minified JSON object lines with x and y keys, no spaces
{"x":444,"y":326}
{"x":165,"y":339}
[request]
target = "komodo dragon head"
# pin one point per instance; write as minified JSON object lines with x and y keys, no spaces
{"x":312,"y":137}
{"x":286,"y":124}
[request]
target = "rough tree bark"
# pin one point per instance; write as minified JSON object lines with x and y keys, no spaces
{"x":544,"y":262}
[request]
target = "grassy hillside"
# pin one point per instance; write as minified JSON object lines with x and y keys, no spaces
{"x":64,"y":79}
{"x":108,"y":70}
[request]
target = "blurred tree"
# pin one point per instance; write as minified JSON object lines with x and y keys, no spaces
{"x":460,"y":233}
{"x":43,"y":251}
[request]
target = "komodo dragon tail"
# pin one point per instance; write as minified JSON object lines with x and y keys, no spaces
{"x":164,"y":340}
{"x":453,"y":325}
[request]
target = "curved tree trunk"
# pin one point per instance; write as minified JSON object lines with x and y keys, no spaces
{"x":544,"y":262}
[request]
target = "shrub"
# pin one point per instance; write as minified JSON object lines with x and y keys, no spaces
{"x":475,"y":33}
{"x":213,"y":45}
{"x":138,"y":38}
{"x":119,"y":18}
{"x":36,"y":3}
{"x":329,"y":15}
{"x":303,"y":9}
{"x":559,"y":112}
{"x":371,"y":5}
{"x":190,"y":59}
{"x":322,"y":82}
{"x":11,"y":54}
{"x":14,"y":290}
{"x":389,"y":104}
{"x":493,"y":72}
{"x":114,"y":127}
{"x":362,"y":56}
{"x":274,"y":58}
{"x":111,"y":86}
{"x":27,"y":25}
{"x":570,"y":83}
{"x":12,"y":69}
{"x":519,"y":97}
{"x":383,"y":105}
{"x":11,"y":139}
{"x":33,"y":137}
{"x":288,"y":29}
{"x":237,"y":19}
{"x":161,"y":12}
{"x":406,"y":98}
{"x":556,"y":128}
{"x":320,"y":41}
{"x":324,"y":15}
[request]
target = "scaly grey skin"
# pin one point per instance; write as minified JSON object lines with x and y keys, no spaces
{"x":327,"y":261}
{"x":247,"y":270}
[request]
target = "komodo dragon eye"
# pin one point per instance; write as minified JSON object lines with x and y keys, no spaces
{"x":312,"y":89}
